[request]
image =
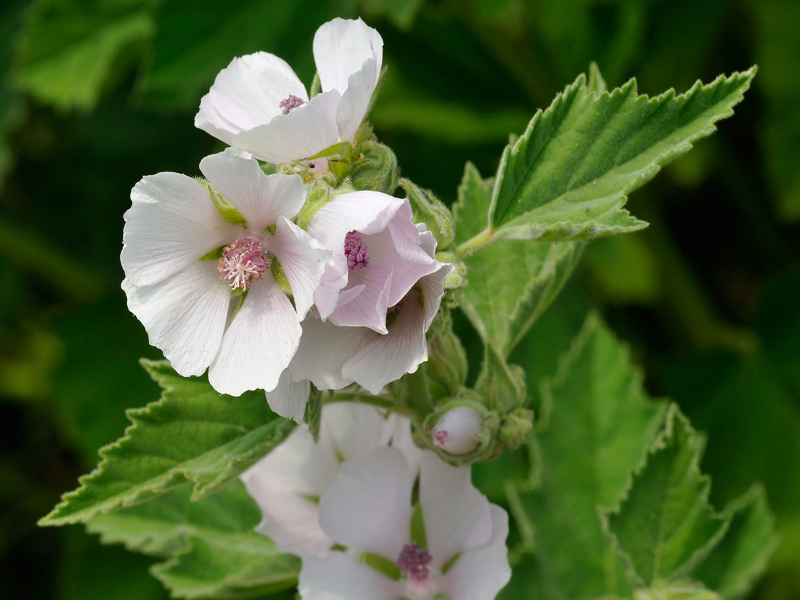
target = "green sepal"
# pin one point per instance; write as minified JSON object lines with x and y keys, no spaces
{"x":316,"y":86}
{"x":313,"y":414}
{"x":317,"y":198}
{"x":503,"y":385}
{"x":280,"y":276}
{"x":418,"y":535}
{"x":215,"y":254}
{"x":381,"y":565}
{"x":431,"y":211}
{"x":225,"y":208}
{"x":335,"y":150}
{"x":447,"y":364}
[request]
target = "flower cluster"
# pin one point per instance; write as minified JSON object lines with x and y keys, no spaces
{"x":285,"y":275}
{"x":224,"y":278}
{"x":353,"y":522}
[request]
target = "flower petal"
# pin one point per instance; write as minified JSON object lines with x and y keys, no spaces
{"x":408,"y":265}
{"x":432,"y":288}
{"x":339,"y":576}
{"x":451,"y":509}
{"x":479,"y":574}
{"x":403,"y":441}
{"x":184,"y":315}
{"x":368,"y":506}
{"x":356,"y":429}
{"x":324,"y":348}
{"x":289,"y":398}
{"x":303,"y":260}
{"x":305,"y":131}
{"x":247,"y":93}
{"x":299,"y":464}
{"x":388,"y":357}
{"x":261,"y":199}
{"x":340,"y":48}
{"x":366,"y":212}
{"x":281,"y":484}
{"x":171,"y":224}
{"x":368,"y":307}
{"x":259,"y":343}
{"x":355,"y":100}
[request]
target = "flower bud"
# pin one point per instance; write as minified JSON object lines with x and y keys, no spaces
{"x":457,"y":430}
{"x":516,"y":428}
{"x":447,"y":364}
{"x":376,"y":170}
{"x":501,"y":384}
{"x":430,"y":210}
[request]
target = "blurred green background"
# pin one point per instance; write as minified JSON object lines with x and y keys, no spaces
{"x":97,"y":93}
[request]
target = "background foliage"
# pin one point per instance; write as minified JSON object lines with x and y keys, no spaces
{"x":96,"y":93}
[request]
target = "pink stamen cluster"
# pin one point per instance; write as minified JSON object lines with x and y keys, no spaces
{"x":414,"y":561}
{"x":356,"y":251}
{"x":290,"y":103}
{"x":243,"y":262}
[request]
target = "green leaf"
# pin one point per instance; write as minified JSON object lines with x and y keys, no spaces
{"x":70,"y":52}
{"x":211,"y":546}
{"x":679,"y":590}
{"x":568,"y":176}
{"x":191,"y":435}
{"x":741,"y":556}
{"x":401,"y":12}
{"x":240,"y":568}
{"x":511,"y":283}
{"x":664,"y":525}
{"x":597,"y":423}
{"x":336,"y":149}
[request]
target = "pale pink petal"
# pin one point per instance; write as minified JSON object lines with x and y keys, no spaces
{"x":259,"y":343}
{"x":432,"y":288}
{"x":261,"y":199}
{"x":356,"y":428}
{"x":426,"y":240}
{"x":407,"y":267}
{"x":355,"y":100}
{"x":403,"y":441}
{"x":184,"y":315}
{"x":451,"y":509}
{"x":289,"y":398}
{"x":388,"y":357}
{"x":247,"y":93}
{"x":284,"y":484}
{"x":305,"y":131}
{"x":479,"y":574}
{"x":289,"y":520}
{"x":299,"y":464}
{"x":324,"y":349}
{"x":171,"y":224}
{"x":302,"y":258}
{"x":368,"y":506}
{"x":339,"y":576}
{"x":456,"y":431}
{"x":366,"y":212}
{"x":368,"y":307}
{"x":340,"y":48}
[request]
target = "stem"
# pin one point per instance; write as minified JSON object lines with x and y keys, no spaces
{"x":484,"y":238}
{"x":359,"y":396}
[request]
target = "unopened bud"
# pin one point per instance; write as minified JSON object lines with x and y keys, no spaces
{"x":457,"y":430}
{"x":376,"y":170}
{"x":447,"y":364}
{"x":516,"y":428}
{"x":430,"y":210}
{"x":501,"y":384}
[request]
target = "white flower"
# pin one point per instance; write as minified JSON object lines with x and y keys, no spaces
{"x":368,"y":509}
{"x":332,"y":357}
{"x":378,"y":257}
{"x":259,"y":104}
{"x":456,"y":430}
{"x":287,"y":483}
{"x":186,"y":304}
